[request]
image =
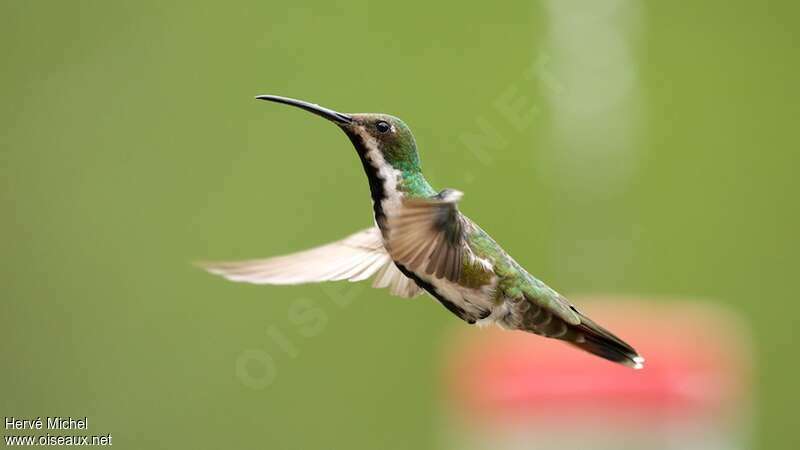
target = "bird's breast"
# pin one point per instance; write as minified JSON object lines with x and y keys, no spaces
{"x":476,"y":301}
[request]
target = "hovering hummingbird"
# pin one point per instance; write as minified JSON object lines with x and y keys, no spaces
{"x":422,"y":243}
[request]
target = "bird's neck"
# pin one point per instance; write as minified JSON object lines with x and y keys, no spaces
{"x":414,"y":184}
{"x":388,"y":185}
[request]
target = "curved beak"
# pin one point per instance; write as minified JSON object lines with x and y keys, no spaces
{"x":329,"y":114}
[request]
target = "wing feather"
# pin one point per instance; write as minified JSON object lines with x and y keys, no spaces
{"x":354,"y":258}
{"x":427,"y":235}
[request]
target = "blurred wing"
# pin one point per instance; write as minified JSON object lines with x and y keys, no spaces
{"x":354,"y":258}
{"x":426,"y":235}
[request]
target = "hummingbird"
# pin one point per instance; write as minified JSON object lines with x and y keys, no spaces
{"x":422,"y":243}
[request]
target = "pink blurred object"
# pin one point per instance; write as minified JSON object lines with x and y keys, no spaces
{"x":520,"y":389}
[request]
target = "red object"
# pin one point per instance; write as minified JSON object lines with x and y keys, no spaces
{"x":696,"y":365}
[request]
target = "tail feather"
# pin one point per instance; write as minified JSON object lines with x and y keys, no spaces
{"x":598,"y":341}
{"x":582,"y":333}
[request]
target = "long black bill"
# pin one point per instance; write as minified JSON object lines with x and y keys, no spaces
{"x":329,"y":114}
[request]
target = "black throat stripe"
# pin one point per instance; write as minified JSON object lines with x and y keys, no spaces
{"x":375,"y":182}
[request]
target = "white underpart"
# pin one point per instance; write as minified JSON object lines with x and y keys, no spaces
{"x":474,"y":301}
{"x":390,"y":177}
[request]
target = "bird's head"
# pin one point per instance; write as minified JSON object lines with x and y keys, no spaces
{"x":378,"y":138}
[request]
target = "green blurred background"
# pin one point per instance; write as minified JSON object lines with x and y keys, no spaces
{"x":131,"y":145}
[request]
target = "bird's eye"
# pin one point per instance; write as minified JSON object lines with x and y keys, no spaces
{"x":382,"y":126}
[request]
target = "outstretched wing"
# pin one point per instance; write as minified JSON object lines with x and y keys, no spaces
{"x":354,"y":258}
{"x":427,"y":235}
